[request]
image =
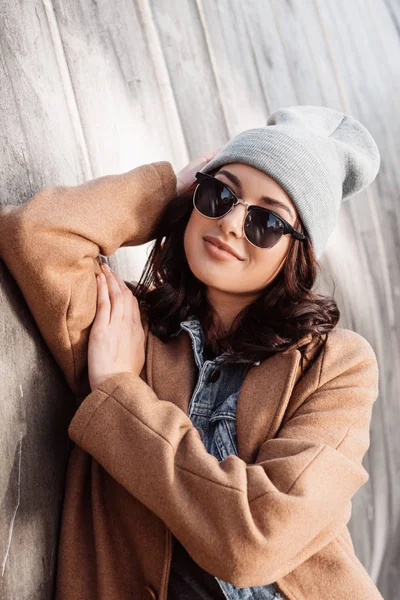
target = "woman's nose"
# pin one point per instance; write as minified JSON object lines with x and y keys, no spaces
{"x":232,"y":222}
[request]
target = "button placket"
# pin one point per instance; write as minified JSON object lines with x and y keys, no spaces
{"x":210,"y":404}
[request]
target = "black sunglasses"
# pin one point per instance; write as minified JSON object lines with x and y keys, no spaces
{"x":262,"y":227}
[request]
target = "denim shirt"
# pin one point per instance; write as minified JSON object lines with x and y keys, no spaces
{"x":212,"y":410}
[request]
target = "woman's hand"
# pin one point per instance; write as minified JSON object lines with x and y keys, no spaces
{"x":186,"y":176}
{"x":117,"y":339}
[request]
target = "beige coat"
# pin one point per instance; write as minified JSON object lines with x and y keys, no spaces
{"x":139,"y":469}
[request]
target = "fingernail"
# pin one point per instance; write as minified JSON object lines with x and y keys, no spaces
{"x":105,"y":266}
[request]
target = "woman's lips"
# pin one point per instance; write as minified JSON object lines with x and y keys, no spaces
{"x":218,"y":253}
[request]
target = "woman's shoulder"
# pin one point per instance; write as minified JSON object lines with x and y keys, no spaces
{"x":347,"y":351}
{"x":348,"y":341}
{"x":338,"y":341}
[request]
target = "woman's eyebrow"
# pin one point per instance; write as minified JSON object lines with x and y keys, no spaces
{"x":267,"y":199}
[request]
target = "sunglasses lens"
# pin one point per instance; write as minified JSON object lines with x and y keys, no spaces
{"x":213,"y":199}
{"x":263,"y":229}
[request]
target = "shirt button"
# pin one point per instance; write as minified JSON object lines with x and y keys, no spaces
{"x":215,"y":375}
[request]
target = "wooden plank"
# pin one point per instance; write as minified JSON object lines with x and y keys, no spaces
{"x":191,"y":74}
{"x":364,"y":73}
{"x":38,"y":143}
{"x":239,"y":83}
{"x":35,"y":407}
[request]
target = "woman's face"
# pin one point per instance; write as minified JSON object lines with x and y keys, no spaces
{"x":257,"y":267}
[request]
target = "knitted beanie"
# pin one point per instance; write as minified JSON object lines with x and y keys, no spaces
{"x":318,"y":155}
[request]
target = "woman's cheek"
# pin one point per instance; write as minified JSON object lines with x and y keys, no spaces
{"x":188,"y":244}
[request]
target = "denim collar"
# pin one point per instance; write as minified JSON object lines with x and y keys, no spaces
{"x":192,"y":324}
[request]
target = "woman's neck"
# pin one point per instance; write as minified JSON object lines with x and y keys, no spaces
{"x":226,"y":306}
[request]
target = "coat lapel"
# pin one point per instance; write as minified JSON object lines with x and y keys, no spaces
{"x":171,"y":369}
{"x":263,"y":397}
{"x":262,"y":401}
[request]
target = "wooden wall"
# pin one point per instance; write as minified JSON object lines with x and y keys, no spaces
{"x":96,"y":87}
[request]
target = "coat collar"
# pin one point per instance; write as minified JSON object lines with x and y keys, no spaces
{"x":263,"y":397}
{"x":192,"y":322}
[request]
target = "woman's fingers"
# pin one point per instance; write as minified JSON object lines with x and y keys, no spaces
{"x":103,"y":302}
{"x":187,"y":176}
{"x":209,"y":155}
{"x":127,"y":295}
{"x":131,"y":305}
{"x":116,"y":344}
{"x":116,"y":296}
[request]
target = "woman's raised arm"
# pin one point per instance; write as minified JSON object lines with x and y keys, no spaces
{"x":51,"y":246}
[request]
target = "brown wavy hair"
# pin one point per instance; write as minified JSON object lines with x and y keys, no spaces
{"x":286,"y":310}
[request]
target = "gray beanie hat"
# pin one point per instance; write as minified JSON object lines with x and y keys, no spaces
{"x":318,"y":155}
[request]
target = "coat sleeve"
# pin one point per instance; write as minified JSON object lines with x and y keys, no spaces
{"x":248,"y":524}
{"x":51,"y":246}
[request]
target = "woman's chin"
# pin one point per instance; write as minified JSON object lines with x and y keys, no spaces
{"x":214,"y":275}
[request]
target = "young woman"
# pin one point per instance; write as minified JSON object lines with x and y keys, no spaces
{"x":222,"y":415}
